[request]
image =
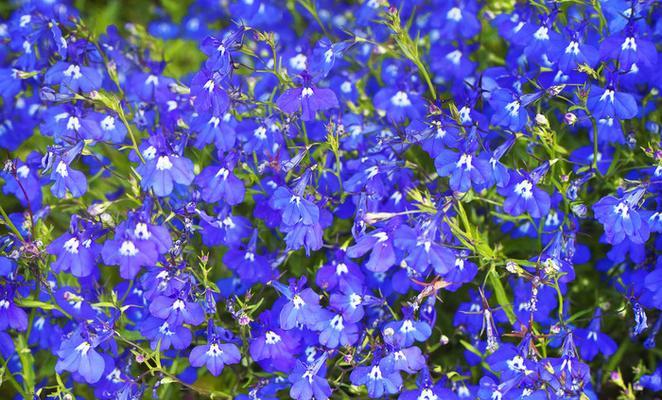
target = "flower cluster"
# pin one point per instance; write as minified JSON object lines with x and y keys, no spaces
{"x":453,"y":199}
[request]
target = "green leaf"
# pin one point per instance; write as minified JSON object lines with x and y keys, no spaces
{"x":500,"y":294}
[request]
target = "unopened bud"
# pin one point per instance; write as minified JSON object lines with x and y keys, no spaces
{"x":541,"y":120}
{"x":570,"y":118}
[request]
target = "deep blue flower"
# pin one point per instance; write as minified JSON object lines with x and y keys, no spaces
{"x":162,"y":170}
{"x":78,"y":354}
{"x":215,"y":356}
{"x":307,"y":99}
{"x":379,"y":382}
{"x":308,"y":381}
{"x":621,"y":218}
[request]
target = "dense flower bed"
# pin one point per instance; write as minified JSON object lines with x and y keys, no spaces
{"x":445,"y":199}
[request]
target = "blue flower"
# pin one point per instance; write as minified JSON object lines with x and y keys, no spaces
{"x":163,"y":335}
{"x":177,"y":310}
{"x":302,"y":307}
{"x":307,"y":384}
{"x":379,"y":382}
{"x":621,"y":219}
{"x":220,"y":183}
{"x":162,"y":170}
{"x":130,"y":253}
{"x":609,"y":103}
{"x":77,"y":354}
{"x":215,"y":356}
{"x":591,"y":341}
{"x":308,"y":99}
{"x":510,"y":111}
{"x":336,"y":331}
{"x":76,"y":253}
{"x":73,"y":77}
{"x":11,"y":315}
{"x":465,"y":169}
{"x":399,"y":104}
{"x":524,"y":195}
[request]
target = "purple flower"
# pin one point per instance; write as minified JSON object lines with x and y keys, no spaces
{"x":177,"y":310}
{"x":621,"y":219}
{"x":73,"y":78}
{"x":307,"y":384}
{"x":77,"y":354}
{"x":161,"y":171}
{"x":523,"y":195}
{"x":219,"y":182}
{"x":215,"y":356}
{"x":129,"y":253}
{"x":308,"y":99}
{"x":378,"y":381}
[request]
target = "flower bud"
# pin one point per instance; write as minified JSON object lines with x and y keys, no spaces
{"x":541,"y":120}
{"x":570,"y":118}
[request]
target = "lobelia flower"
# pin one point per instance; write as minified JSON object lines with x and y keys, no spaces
{"x":215,"y":355}
{"x":590,"y":341}
{"x":379,"y":243}
{"x":294,"y":205}
{"x":609,"y":103}
{"x":302,"y":307}
{"x":404,"y":333}
{"x":272,"y":346}
{"x":177,"y":310}
{"x":130,"y":253}
{"x":308,"y":380}
{"x":399,"y":104}
{"x":78,"y":354}
{"x":324,"y":56}
{"x":76,"y":251}
{"x":464,"y":168}
{"x":335,"y":331}
{"x":457,"y":19}
{"x":66,"y":179}
{"x":340,"y":270}
{"x":621,"y":218}
{"x":210,"y":95}
{"x":350,"y":299}
{"x":308,"y":99}
{"x":219,"y":51}
{"x":11,"y":315}
{"x":410,"y":360}
{"x":220,"y":183}
{"x":377,"y":380}
{"x":422,"y":249}
{"x":630,"y":49}
{"x":24,"y":182}
{"x":500,"y":173}
{"x":523,"y":195}
{"x":73,"y":77}
{"x":247,"y":263}
{"x":510,"y":110}
{"x":210,"y":128}
{"x":572,"y":53}
{"x":162,"y":335}
{"x":162,"y":170}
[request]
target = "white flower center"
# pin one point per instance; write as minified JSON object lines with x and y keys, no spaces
{"x":128,"y":249}
{"x":73,"y":71}
{"x":400,"y":99}
{"x":163,"y":163}
{"x":108,"y":123}
{"x":454,"y":14}
{"x":271,"y":337}
{"x":524,"y":189}
{"x":629,"y":44}
{"x":573,"y":48}
{"x":71,"y":245}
